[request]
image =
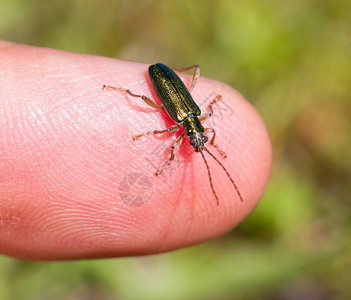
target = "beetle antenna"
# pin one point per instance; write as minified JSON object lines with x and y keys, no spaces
{"x":210,"y":177}
{"x":225,"y":170}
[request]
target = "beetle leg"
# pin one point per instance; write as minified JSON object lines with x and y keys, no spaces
{"x":205,"y":117}
{"x":147,"y":100}
{"x":211,"y":130}
{"x":173,"y":128}
{"x":174,"y":146}
{"x":195,"y":76}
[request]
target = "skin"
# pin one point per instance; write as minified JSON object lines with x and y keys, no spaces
{"x":66,"y":145}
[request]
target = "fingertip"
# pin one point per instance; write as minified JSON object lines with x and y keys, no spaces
{"x":97,"y":186}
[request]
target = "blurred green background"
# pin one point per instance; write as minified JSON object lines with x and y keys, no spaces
{"x":292,"y":60}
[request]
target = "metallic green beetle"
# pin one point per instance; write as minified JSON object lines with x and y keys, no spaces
{"x":181,"y":107}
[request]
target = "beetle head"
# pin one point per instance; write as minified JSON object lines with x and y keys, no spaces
{"x":198,"y":140}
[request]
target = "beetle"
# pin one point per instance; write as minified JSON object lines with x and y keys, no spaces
{"x":177,"y":101}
